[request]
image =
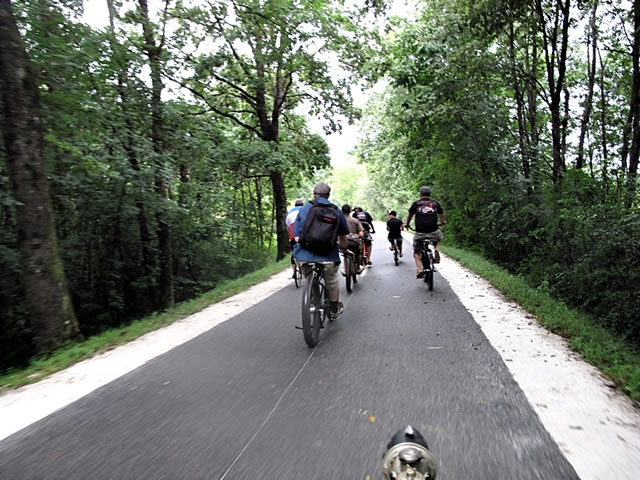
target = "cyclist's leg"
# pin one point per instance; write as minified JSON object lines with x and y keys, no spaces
{"x":437,"y":237}
{"x":399,"y":245}
{"x":293,"y":262}
{"x":417,"y":256}
{"x":359,"y":252}
{"x":369,"y":247}
{"x":331,"y":284}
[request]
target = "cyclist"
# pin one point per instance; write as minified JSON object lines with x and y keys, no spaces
{"x":291,"y":218}
{"x":427,"y":212}
{"x":332,"y":260}
{"x":367,"y":223}
{"x":356,"y":233}
{"x":394,"y":227}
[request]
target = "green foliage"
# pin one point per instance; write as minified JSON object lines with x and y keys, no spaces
{"x":449,"y":118}
{"x":104,"y":172}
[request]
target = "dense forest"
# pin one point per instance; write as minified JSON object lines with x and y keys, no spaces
{"x":524,"y":117}
{"x":148,"y":160}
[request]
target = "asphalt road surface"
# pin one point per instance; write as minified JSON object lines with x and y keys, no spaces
{"x":249,"y":400}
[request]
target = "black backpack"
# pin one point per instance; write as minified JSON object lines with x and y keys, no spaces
{"x":320,"y":229}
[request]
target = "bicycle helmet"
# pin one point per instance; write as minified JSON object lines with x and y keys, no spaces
{"x":426,"y":191}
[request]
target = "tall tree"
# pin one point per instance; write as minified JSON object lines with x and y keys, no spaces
{"x":554,"y":20}
{"x":592,"y":41}
{"x":270,"y":58}
{"x":129,"y":137}
{"x":51,"y":313}
{"x":635,"y":109}
{"x":154,"y":51}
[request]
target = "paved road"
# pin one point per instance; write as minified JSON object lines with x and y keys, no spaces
{"x":250,"y":400}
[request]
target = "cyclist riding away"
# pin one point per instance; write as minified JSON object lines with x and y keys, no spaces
{"x":394,"y":227}
{"x":356,"y":234}
{"x":330,"y":260}
{"x":367,"y":223}
{"x":291,"y":218}
{"x":427,"y":212}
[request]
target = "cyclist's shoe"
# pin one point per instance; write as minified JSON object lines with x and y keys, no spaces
{"x":436,"y":258}
{"x":343,"y":272}
{"x":400,"y":254}
{"x":336,"y":315}
{"x":369,"y":263}
{"x":391,"y":248}
{"x":420,"y":274}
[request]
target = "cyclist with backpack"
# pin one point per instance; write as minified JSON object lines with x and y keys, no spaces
{"x":367,"y":223}
{"x":356,"y":234}
{"x":427,"y":211}
{"x":317,"y":228}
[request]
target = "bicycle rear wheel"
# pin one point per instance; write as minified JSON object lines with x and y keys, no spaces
{"x":395,"y":255}
{"x":427,"y":267}
{"x":354,"y":271}
{"x":348,"y":267}
{"x":297,"y":275}
{"x":428,"y":278}
{"x":312,"y":309}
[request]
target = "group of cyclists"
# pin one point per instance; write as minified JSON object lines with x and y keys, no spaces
{"x":354,"y":234}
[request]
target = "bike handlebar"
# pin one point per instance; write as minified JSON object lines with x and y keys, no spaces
{"x":408,"y":227}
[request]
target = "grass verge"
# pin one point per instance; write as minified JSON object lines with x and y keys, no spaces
{"x":76,"y":352}
{"x":616,"y":359}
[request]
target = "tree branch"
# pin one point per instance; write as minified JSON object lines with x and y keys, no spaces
{"x":216,"y":110}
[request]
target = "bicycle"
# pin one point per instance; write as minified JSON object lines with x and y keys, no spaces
{"x":396,"y":249}
{"x":428,"y":261}
{"x":315,"y":304}
{"x":428,"y":264}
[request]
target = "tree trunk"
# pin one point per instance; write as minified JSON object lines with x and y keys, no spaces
{"x":532,"y":109}
{"x":520,"y":112}
{"x":565,"y":126}
{"x":632,"y":176}
{"x":555,"y":50}
{"x":166,"y":290}
{"x":591,"y":79}
{"x":603,"y":113}
{"x":51,"y":315}
{"x":280,"y":205}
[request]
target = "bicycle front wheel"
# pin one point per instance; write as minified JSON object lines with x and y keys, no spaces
{"x":311,"y":310}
